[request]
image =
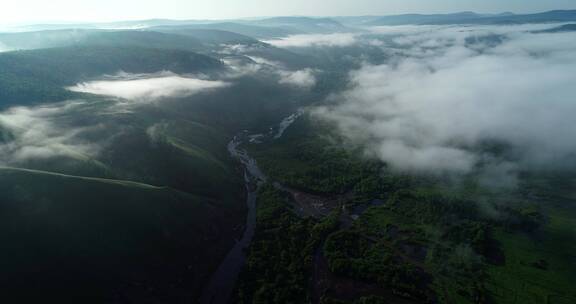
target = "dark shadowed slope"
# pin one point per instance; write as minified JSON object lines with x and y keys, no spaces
{"x":66,"y":237}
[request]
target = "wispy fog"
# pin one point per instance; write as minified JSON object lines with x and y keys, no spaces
{"x":3,"y":48}
{"x":67,"y":129}
{"x":315,"y":40}
{"x":302,"y":79}
{"x":39,"y":133}
{"x":81,"y":129}
{"x":147,"y":87}
{"x":491,"y":100}
{"x":264,"y":61}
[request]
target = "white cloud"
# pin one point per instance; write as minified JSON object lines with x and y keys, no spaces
{"x":148,"y":87}
{"x":304,"y":79}
{"x":440,"y":101}
{"x":36,"y":133}
{"x":60,"y":129}
{"x":240,"y":67}
{"x":301,"y":78}
{"x":236,"y":49}
{"x":315,"y":40}
{"x":264,"y":61}
{"x":3,"y":48}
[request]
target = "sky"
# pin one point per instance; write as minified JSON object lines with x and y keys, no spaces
{"x":32,"y":11}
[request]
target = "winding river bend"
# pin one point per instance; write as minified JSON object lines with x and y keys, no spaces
{"x":222,"y":283}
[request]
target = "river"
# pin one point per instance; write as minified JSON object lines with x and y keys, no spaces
{"x":222,"y":283}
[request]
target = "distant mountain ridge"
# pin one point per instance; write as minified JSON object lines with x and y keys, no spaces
{"x":251,"y":30}
{"x":474,"y":18}
{"x":420,"y":18}
{"x":559,"y":29}
{"x":282,"y":26}
{"x":273,"y":27}
{"x":268,"y":27}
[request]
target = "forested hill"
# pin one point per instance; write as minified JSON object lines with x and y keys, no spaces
{"x":165,"y":37}
{"x":36,"y":76}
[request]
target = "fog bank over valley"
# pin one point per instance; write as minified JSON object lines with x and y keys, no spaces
{"x":448,"y":96}
{"x":147,"y":88}
{"x":41,"y":133}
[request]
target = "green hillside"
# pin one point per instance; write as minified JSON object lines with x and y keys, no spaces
{"x":36,"y":76}
{"x":66,"y":237}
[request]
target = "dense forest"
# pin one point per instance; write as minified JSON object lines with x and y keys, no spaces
{"x":395,"y":238}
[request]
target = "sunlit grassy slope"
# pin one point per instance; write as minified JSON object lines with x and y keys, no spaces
{"x":518,"y":281}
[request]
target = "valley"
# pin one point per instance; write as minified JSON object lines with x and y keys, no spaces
{"x":414,"y":158}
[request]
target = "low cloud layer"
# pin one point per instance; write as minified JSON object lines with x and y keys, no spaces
{"x":490,"y":100}
{"x":39,"y":133}
{"x":81,"y":129}
{"x":302,"y":78}
{"x":66,"y":129}
{"x":146,"y":88}
{"x":315,"y":40}
{"x":3,"y":48}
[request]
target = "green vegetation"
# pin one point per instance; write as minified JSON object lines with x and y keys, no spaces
{"x":278,"y":269}
{"x":539,"y":266}
{"x":427,"y":242}
{"x":110,"y":239}
{"x":352,"y":254}
{"x":313,"y":162}
{"x":148,"y":217}
{"x":442,"y":237}
{"x":36,"y":76}
{"x":183,"y":154}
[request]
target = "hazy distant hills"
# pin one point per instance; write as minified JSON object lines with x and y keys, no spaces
{"x":474,"y":18}
{"x":269,"y":28}
{"x":275,"y":27}
{"x":70,"y":37}
{"x":306,"y":24}
{"x":422,"y":19}
{"x":180,"y":37}
{"x":215,"y":43}
{"x":255,"y":31}
{"x":258,"y":28}
{"x":208,"y":35}
{"x":132,"y":24}
{"x":559,"y":29}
